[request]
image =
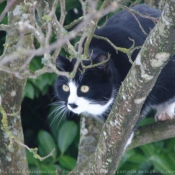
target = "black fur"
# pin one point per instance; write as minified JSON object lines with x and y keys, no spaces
{"x":104,"y":79}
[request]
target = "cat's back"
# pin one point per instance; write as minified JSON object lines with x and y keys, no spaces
{"x":122,"y":29}
{"x":125,"y":24}
{"x":126,"y":17}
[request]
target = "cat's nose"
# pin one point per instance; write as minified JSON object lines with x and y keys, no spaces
{"x":73,"y":105}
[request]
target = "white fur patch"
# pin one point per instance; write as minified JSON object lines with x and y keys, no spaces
{"x":73,"y":93}
{"x":129,"y":141}
{"x":165,"y":111}
{"x":85,"y":105}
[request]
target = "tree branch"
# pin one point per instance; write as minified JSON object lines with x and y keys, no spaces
{"x":11,"y":103}
{"x":152,"y":133}
{"x":144,"y":135}
{"x":89,"y":135}
{"x":7,"y":8}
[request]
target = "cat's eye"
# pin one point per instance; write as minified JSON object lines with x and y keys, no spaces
{"x":84,"y":88}
{"x":65,"y":88}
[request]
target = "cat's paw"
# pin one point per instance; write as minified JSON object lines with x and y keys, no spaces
{"x":163,"y":116}
{"x":165,"y":112}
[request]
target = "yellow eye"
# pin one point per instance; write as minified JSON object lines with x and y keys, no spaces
{"x":65,"y":88}
{"x":84,"y":88}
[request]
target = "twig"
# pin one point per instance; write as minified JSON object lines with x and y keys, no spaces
{"x":138,"y":22}
{"x":27,"y":28}
{"x":36,"y":74}
{"x":69,"y":26}
{"x":58,"y":43}
{"x":98,"y":64}
{"x":104,"y":9}
{"x":57,"y":30}
{"x":7,"y":8}
{"x":47,"y":48}
{"x":138,"y":13}
{"x":73,"y":73}
{"x":49,"y":33}
{"x":121,"y":49}
{"x":26,"y":63}
{"x":63,"y":11}
{"x":1,"y":1}
{"x":33,"y":18}
{"x":58,"y":26}
{"x":54,"y":6}
{"x":128,"y":52}
{"x":34,"y":151}
{"x":83,"y":6}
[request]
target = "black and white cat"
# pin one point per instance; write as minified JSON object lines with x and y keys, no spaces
{"x":94,"y":90}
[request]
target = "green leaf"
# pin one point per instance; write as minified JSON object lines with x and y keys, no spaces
{"x":29,"y":91}
{"x":163,"y":163}
{"x":55,"y":121}
{"x":43,"y":82}
{"x":30,"y":159}
{"x":128,"y":169}
{"x":146,"y":121}
{"x":33,"y":169}
{"x":148,"y":149}
{"x":137,"y":158}
{"x":170,"y":145}
{"x":48,"y":169}
{"x":47,"y":143}
{"x":66,"y":135}
{"x":67,"y":162}
{"x":126,"y":156}
{"x":2,"y":7}
{"x":35,"y":64}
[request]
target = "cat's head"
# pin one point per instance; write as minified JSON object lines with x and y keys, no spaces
{"x":89,"y":92}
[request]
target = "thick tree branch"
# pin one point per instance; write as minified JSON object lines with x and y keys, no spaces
{"x":152,"y":133}
{"x":11,"y":89}
{"x":89,"y":135}
{"x":144,"y":135}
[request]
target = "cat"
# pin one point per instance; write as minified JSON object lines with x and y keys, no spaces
{"x":93,"y":92}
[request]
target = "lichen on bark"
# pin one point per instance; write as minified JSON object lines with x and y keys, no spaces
{"x":13,"y":158}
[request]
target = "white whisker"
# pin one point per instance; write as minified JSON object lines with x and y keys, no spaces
{"x":59,"y":112}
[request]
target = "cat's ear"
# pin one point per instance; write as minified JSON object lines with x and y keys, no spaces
{"x":62,"y":63}
{"x":100,"y":59}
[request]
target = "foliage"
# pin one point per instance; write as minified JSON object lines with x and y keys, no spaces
{"x":47,"y":134}
{"x":40,"y":85}
{"x":155,"y":158}
{"x":62,"y":145}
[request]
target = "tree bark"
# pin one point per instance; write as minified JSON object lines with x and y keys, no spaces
{"x":159,"y":4}
{"x":153,"y":133}
{"x":89,"y":134}
{"x":12,"y":155}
